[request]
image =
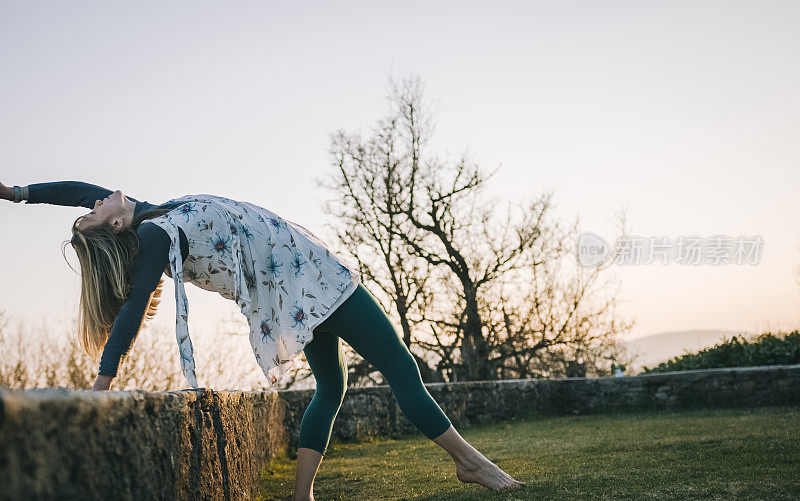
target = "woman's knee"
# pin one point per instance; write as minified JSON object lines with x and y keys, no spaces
{"x":402,"y":368}
{"x":329,"y":366}
{"x":333,"y":391}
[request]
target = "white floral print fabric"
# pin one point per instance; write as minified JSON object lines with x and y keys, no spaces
{"x":285,"y":280}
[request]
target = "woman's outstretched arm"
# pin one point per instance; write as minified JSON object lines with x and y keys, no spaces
{"x":67,"y":193}
{"x":150,"y":263}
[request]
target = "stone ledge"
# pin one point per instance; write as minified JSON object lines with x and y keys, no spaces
{"x":190,"y":444}
{"x":205,"y":444}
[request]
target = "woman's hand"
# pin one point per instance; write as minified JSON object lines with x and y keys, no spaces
{"x":102,"y":383}
{"x":6,"y":192}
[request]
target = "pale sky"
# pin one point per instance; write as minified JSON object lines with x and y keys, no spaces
{"x":686,"y":113}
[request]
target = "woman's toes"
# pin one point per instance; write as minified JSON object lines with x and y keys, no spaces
{"x":508,"y":477}
{"x":512,"y":482}
{"x":486,"y":473}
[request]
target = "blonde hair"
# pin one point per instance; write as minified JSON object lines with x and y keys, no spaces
{"x":106,"y":260}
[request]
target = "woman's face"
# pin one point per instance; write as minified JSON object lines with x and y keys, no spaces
{"x":114,"y":209}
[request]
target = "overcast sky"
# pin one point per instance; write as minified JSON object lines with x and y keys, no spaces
{"x":685,"y":113}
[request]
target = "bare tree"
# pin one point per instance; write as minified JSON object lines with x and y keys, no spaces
{"x":490,"y":292}
{"x":369,"y":176}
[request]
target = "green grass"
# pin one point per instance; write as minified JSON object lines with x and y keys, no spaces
{"x":716,"y":454}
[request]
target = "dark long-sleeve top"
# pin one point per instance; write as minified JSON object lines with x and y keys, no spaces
{"x":150,"y":262}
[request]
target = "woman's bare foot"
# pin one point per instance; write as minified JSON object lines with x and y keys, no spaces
{"x":479,"y":470}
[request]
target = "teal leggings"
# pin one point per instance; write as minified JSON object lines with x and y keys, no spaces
{"x":361,"y":322}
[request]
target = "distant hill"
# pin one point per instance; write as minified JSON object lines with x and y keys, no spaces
{"x":663,"y":346}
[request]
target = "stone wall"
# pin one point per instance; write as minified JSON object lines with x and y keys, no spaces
{"x":60,"y":443}
{"x":372,"y":411}
{"x":204,"y":444}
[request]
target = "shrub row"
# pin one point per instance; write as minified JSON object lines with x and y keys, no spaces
{"x":766,"y":349}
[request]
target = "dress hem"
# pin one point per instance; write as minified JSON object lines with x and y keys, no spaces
{"x":351,"y":288}
{"x":293,"y":359}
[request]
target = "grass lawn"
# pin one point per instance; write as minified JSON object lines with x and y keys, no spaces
{"x":717,"y":454}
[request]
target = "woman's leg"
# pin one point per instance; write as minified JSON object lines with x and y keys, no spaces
{"x":326,"y":358}
{"x":361,"y":322}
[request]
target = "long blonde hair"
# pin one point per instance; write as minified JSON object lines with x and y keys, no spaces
{"x":106,"y":259}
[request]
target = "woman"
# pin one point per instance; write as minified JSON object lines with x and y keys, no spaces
{"x":295,"y":292}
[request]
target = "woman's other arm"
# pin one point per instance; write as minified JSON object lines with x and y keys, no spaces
{"x":67,"y":193}
{"x":151,"y":261}
{"x":6,"y":192}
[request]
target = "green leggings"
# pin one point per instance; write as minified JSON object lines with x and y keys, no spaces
{"x":361,"y":322}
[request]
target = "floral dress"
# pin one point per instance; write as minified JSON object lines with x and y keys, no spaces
{"x":285,"y":280}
